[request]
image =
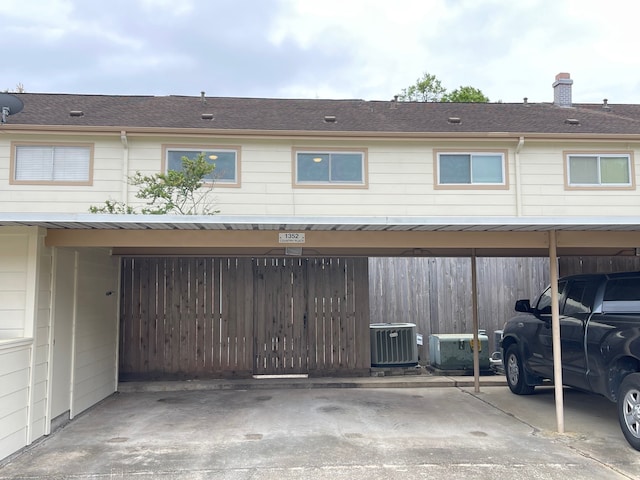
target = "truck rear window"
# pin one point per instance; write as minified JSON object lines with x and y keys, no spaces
{"x":622,"y":295}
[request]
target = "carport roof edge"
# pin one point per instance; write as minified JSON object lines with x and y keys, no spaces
{"x":319,"y":223}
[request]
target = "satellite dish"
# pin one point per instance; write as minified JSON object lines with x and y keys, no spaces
{"x":10,"y":105}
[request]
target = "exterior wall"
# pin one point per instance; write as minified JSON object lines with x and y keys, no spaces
{"x":39,"y":415}
{"x":543,"y":192}
{"x":400,"y":179}
{"x":96,"y":329}
{"x":14,"y":288}
{"x":27,"y":322}
{"x":107,"y":177}
{"x":24,"y":348}
{"x":15,"y":373}
{"x":63,"y":310}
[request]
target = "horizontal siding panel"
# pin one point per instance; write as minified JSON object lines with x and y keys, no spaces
{"x":38,"y":414}
{"x":12,"y":281}
{"x":44,"y":318}
{"x":93,"y":389}
{"x":91,"y":365}
{"x":83,"y":402}
{"x":11,"y":319}
{"x":13,"y":402}
{"x":12,"y":301}
{"x":42,"y":354}
{"x":14,"y":422}
{"x":39,"y":390}
{"x":40,"y":372}
{"x":14,"y":360}
{"x":38,"y":427}
{"x":11,"y":332}
{"x":12,"y":441}
{"x":14,"y":381}
{"x":94,"y":359}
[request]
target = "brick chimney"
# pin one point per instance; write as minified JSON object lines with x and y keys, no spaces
{"x":562,"y":90}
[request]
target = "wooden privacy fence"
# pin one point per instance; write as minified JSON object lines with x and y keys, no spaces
{"x":435,"y":293}
{"x":575,"y":265}
{"x":213,"y":317}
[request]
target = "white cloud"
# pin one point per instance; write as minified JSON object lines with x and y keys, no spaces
{"x":38,"y":11}
{"x":368,"y":49}
{"x":175,"y":7}
{"x":389,"y":41}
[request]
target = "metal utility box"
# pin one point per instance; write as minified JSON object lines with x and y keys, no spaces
{"x":453,"y":351}
{"x":393,"y":345}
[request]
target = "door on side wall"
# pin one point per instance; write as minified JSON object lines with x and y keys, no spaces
{"x":280,"y":316}
{"x":63,"y":312}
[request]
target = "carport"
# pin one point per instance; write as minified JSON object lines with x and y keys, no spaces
{"x":346,"y":237}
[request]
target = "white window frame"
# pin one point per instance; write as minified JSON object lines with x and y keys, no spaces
{"x":222,"y":182}
{"x":363,"y":183}
{"x":54,"y":171}
{"x":471,"y":184}
{"x":599,"y":185}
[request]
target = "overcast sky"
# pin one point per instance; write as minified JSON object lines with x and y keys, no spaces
{"x":369,"y":49}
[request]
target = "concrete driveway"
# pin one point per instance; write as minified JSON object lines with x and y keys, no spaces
{"x":328,"y":433}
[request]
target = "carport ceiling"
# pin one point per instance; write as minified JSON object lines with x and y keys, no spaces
{"x":366,"y":236}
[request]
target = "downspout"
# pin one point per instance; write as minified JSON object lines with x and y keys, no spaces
{"x":517,"y":174}
{"x":125,"y":167}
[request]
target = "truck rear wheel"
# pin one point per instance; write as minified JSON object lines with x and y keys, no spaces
{"x":629,"y":409}
{"x":515,"y":373}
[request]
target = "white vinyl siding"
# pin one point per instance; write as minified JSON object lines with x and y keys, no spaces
{"x":401,"y":178}
{"x":96,"y":342}
{"x":24,"y":362}
{"x":56,"y":164}
{"x":15,"y":368}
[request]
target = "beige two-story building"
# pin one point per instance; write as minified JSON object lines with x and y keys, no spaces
{"x":305,"y":190}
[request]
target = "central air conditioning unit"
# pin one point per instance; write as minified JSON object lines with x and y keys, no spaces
{"x":393,"y":345}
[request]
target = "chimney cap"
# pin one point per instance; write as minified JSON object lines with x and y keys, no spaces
{"x":563,"y":75}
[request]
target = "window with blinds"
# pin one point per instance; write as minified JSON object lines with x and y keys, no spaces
{"x":52,"y":164}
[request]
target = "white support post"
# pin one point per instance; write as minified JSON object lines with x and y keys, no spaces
{"x":555,"y":332}
{"x":474,"y":306}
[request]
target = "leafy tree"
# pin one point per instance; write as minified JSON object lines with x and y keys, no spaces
{"x":426,"y":89}
{"x":429,"y":89}
{"x":182,"y":192}
{"x":465,"y":95}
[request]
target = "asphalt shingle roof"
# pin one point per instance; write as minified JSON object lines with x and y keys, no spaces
{"x":351,"y":116}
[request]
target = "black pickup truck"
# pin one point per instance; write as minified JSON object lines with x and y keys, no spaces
{"x":600,"y":338}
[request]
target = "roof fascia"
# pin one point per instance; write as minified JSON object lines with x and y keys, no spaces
{"x":252,"y":133}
